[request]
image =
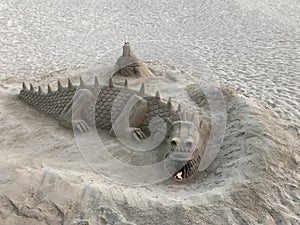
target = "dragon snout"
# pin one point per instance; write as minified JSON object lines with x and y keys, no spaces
{"x":183,"y":159}
{"x":182,"y":150}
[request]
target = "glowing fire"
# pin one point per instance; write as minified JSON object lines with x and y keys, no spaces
{"x":179,"y":175}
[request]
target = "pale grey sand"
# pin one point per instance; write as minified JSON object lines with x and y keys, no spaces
{"x":253,"y":46}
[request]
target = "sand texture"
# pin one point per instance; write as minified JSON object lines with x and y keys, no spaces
{"x":249,"y":49}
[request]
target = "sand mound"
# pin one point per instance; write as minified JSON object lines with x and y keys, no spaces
{"x":254,"y":179}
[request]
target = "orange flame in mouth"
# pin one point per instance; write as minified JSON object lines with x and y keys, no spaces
{"x":178,"y":176}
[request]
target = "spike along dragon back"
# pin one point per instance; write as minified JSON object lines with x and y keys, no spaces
{"x":83,"y":106}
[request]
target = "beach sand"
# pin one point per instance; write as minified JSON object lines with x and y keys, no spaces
{"x":249,"y":49}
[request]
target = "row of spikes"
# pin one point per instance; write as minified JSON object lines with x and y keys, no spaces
{"x":70,"y":85}
{"x":59,"y":85}
{"x":111,"y":84}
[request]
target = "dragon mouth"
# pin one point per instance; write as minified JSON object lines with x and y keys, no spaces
{"x":183,"y":170}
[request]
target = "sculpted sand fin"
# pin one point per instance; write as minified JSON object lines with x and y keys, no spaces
{"x":126,"y":87}
{"x":170,"y":102}
{"x":70,"y":85}
{"x":59,"y":86}
{"x":157,"y":95}
{"x":142,"y":90}
{"x":178,"y":108}
{"x":49,"y":89}
{"x":40,"y":91}
{"x":96,"y":81}
{"x":31,"y":87}
{"x":24,"y":86}
{"x":111,"y":83}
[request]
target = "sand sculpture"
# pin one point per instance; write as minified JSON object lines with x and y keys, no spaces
{"x":103,"y":105}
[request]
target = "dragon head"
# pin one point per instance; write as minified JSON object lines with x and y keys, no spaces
{"x":186,"y":146}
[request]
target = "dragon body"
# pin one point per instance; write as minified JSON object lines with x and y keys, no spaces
{"x":106,"y":106}
{"x":102,"y":106}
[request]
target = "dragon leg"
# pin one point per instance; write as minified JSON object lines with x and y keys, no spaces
{"x":74,"y":112}
{"x":128,"y":122}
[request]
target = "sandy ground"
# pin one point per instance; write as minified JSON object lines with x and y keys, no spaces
{"x":252,"y":46}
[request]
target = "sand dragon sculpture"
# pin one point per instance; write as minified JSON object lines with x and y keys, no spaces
{"x":102,"y":105}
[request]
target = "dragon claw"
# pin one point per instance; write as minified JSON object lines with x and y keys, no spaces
{"x":81,"y":125}
{"x":138,"y":134}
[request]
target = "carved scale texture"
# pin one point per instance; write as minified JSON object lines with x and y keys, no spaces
{"x":156,"y":108}
{"x":101,"y":113}
{"x":109,"y":105}
{"x":52,"y":103}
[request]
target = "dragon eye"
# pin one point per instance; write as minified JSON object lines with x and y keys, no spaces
{"x":188,"y":145}
{"x":173,"y":142}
